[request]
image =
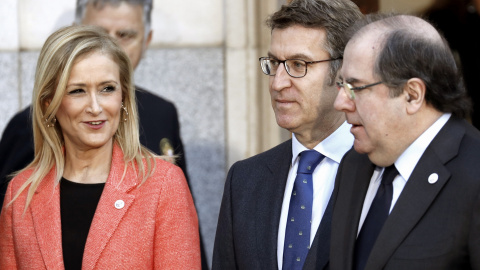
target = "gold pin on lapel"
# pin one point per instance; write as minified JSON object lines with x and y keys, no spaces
{"x":166,"y":149}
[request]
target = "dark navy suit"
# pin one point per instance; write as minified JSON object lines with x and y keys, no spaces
{"x":432,"y":225}
{"x":247,"y":228}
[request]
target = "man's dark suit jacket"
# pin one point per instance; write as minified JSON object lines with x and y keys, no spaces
{"x":250,"y":214}
{"x":432,"y":226}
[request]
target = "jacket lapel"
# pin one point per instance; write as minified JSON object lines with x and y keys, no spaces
{"x":272,"y":181}
{"x":45,"y":210}
{"x":418,"y":194}
{"x":113,"y":205}
{"x":319,"y":253}
{"x":348,"y":195}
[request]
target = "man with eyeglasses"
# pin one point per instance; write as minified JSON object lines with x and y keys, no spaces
{"x":275,"y":212}
{"x":408,"y":195}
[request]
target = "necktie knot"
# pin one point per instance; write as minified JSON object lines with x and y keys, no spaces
{"x":389,"y":174}
{"x":309,"y":159}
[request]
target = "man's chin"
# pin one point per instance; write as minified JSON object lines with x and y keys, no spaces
{"x":359,"y":148}
{"x":286,"y":123}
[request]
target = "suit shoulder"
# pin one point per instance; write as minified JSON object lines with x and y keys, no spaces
{"x":20,"y":123}
{"x":275,"y":158}
{"x":473,"y":135}
{"x":20,"y":179}
{"x":469,"y":143}
{"x":167,"y":178}
{"x":282,"y":149}
{"x":165,"y":171}
{"x":22,"y":116}
{"x":166,"y":166}
{"x":150,"y":101}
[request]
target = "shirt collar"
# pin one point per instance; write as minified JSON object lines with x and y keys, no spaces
{"x":410,"y":157}
{"x":332,"y":147}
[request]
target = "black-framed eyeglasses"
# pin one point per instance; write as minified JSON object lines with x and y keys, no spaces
{"x":296,"y":68}
{"x":350,"y":90}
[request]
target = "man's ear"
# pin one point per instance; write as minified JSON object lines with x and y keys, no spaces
{"x":414,"y":91}
{"x":149,"y":39}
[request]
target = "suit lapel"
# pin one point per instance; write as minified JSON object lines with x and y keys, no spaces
{"x":418,"y":194}
{"x":319,"y":253}
{"x":45,"y":210}
{"x":350,"y":188}
{"x":272,"y":183}
{"x":109,"y":213}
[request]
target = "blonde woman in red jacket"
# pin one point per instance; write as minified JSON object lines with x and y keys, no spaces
{"x":93,"y":197}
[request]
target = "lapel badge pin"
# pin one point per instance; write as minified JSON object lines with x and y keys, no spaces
{"x":119,"y":204}
{"x":433,"y":178}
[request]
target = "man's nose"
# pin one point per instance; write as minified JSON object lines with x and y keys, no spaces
{"x":343,"y":102}
{"x":281,"y":79}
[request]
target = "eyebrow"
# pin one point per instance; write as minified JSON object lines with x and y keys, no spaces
{"x":84,"y":84}
{"x":351,"y":80}
{"x":348,"y":80}
{"x":294,"y":56}
{"x":128,"y":32}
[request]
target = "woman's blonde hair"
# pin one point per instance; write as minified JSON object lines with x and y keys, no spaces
{"x":57,"y":57}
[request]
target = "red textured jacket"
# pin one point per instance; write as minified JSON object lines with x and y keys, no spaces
{"x":153,"y":226}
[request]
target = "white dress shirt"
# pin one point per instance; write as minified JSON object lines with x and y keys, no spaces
{"x":333,"y":148}
{"x":404,"y":164}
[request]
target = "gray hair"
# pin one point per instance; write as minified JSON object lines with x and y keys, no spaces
{"x":147,"y":10}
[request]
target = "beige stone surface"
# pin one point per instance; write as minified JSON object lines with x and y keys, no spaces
{"x":9,"y":40}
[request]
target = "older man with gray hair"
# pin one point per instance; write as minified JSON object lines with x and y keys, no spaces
{"x":408,"y":195}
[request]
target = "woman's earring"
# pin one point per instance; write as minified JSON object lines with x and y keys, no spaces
{"x":126,"y":113}
{"x":50,"y":123}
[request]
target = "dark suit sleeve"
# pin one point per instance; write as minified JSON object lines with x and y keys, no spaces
{"x":223,"y":250}
{"x":178,"y":146}
{"x":16,"y":148}
{"x":474,"y":239}
{"x":158,"y":120}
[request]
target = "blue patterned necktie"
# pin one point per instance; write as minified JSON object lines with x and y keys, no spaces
{"x":299,"y":222}
{"x":377,"y":214}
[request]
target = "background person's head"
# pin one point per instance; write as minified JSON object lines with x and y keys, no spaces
{"x":128,"y":21}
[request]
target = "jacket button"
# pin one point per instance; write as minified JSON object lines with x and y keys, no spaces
{"x":119,"y":204}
